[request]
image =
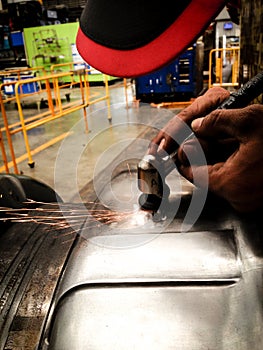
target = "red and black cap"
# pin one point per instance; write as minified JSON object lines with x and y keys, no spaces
{"x":129,"y":38}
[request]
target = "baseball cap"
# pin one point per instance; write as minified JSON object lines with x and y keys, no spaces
{"x":130,"y":38}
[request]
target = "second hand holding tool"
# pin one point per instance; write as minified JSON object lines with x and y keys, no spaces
{"x":153,"y":169}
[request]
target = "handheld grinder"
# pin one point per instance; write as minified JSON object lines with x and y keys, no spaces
{"x":153,"y":169}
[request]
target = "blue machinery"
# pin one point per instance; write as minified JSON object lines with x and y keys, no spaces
{"x":175,"y":82}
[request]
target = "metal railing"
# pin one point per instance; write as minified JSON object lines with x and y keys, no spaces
{"x":51,"y":90}
{"x":224,"y":67}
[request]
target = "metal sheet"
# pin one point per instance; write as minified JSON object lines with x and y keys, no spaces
{"x":145,"y":284}
{"x":160,"y":317}
{"x":185,"y":257}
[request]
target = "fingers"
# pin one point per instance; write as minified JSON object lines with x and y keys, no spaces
{"x":153,"y":146}
{"x":237,"y":176}
{"x":242,"y":194}
{"x":214,"y":151}
{"x":236,"y":123}
{"x":204,"y":176}
{"x":189,"y":152}
{"x":203,"y":105}
{"x":175,"y":131}
{"x":218,"y":124}
{"x":170,"y":136}
{"x":161,"y":144}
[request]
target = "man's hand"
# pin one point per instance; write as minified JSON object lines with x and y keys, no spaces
{"x":167,"y":139}
{"x":233,"y":143}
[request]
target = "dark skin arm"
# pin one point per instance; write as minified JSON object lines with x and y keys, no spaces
{"x":238,"y":176}
{"x":167,"y":137}
{"x":232,"y":141}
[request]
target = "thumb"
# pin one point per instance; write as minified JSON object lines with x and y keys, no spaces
{"x":218,"y":124}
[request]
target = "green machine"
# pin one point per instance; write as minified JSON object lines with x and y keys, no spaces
{"x":55,"y":44}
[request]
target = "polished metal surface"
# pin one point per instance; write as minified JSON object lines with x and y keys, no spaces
{"x":117,"y":277}
{"x":144,"y":283}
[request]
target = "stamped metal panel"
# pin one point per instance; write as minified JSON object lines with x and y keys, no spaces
{"x":191,"y":256}
{"x":159,"y":317}
{"x":151,"y":286}
{"x":175,"y":291}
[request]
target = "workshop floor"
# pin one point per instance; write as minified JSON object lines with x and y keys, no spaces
{"x":71,"y":157}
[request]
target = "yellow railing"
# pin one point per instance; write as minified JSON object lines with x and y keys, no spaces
{"x":68,"y":66}
{"x":20,"y":71}
{"x":3,"y":152}
{"x":11,"y":76}
{"x":73,"y":68}
{"x":56,"y":109}
{"x":224,"y":67}
{"x":6,"y":128}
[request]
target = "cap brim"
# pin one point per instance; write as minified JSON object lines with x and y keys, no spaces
{"x":159,"y":52}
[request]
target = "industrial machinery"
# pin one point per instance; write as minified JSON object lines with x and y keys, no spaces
{"x":179,"y":81}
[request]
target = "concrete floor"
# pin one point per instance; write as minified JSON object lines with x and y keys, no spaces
{"x":72,"y":162}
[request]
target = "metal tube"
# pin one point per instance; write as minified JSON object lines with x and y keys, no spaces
{"x":8,"y":135}
{"x":107,"y":97}
{"x":39,"y":119}
{"x":235,"y":51}
{"x":83,"y":102}
{"x":21,"y":116}
{"x":3,"y":153}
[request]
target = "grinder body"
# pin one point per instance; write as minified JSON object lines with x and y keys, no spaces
{"x":152,"y":170}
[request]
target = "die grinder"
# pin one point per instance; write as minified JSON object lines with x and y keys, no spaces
{"x":153,"y":169}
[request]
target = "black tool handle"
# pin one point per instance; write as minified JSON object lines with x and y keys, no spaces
{"x":241,"y":98}
{"x":247,"y":93}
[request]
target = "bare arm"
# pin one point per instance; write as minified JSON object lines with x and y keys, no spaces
{"x":238,"y":176}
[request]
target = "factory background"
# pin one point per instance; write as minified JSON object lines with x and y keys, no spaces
{"x":82,"y":266}
{"x":16,"y":15}
{"x":37,"y":39}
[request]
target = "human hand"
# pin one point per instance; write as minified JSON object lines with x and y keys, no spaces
{"x":235,"y":165}
{"x":175,"y":131}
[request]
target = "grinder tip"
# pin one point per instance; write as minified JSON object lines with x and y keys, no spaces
{"x":149,"y":201}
